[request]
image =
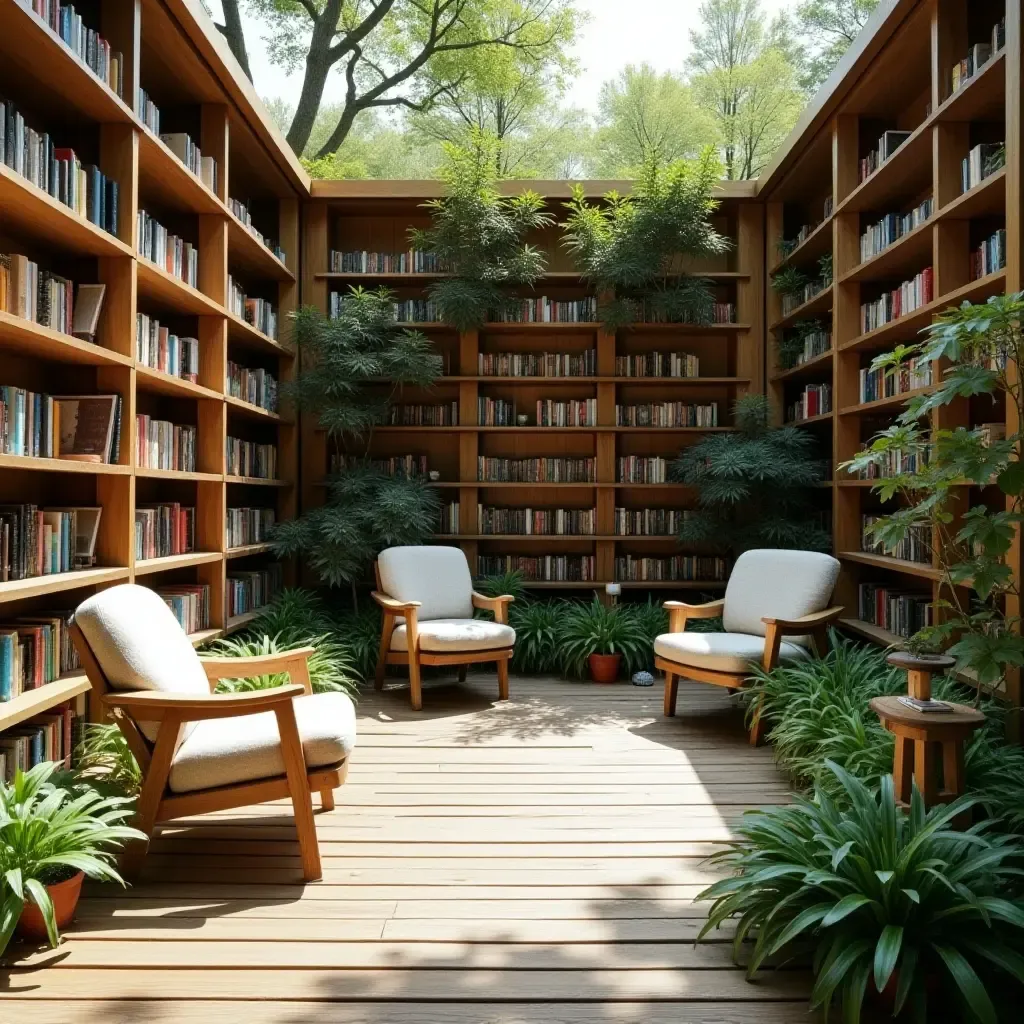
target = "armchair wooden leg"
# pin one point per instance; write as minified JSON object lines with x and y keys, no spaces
{"x":387,"y":629}
{"x":327,"y":798}
{"x":671,"y":692}
{"x":415,"y":687}
{"x":756,"y":727}
{"x":462,"y":673}
{"x":148,"y":807}
{"x":503,"y":679}
{"x":298,"y":786}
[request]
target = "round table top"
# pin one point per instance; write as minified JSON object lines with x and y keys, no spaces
{"x":926,"y":663}
{"x":893,"y":710}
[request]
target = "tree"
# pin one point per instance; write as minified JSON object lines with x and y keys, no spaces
{"x":234,"y":34}
{"x":829,"y":27}
{"x":393,"y":53}
{"x":645,"y":116}
{"x":742,"y":76}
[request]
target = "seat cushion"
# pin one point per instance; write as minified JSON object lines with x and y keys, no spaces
{"x":436,"y":576}
{"x":139,"y":645}
{"x":777,"y":584}
{"x":226,"y":751}
{"x":451,"y":635}
{"x":721,"y":652}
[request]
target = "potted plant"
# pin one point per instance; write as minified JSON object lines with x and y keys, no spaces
{"x":50,"y":838}
{"x":885,"y":902}
{"x":600,"y":637}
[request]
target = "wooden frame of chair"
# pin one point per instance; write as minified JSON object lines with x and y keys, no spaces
{"x":408,"y":610}
{"x":815,"y":625}
{"x":157,"y":803}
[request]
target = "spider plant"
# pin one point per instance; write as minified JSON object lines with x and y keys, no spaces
{"x":500,"y":583}
{"x":103,"y":757}
{"x":789,"y":281}
{"x":49,"y":834}
{"x":879,"y":897}
{"x":595,"y":628}
{"x":359,"y":633}
{"x":536,"y":625}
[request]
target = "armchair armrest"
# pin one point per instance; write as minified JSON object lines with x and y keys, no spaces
{"x":293,"y":662}
{"x":156,"y":705}
{"x":389,"y":604}
{"x":806,"y":623}
{"x":679,"y":612}
{"x":498,"y":605}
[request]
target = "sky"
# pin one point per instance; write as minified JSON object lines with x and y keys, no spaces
{"x":656,"y":31}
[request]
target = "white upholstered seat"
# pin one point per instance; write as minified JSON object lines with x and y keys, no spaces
{"x":447,"y":635}
{"x":721,"y":652}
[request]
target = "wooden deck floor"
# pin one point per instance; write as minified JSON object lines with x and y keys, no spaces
{"x":511,"y":864}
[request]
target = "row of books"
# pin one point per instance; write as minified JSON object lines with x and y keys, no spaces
{"x":675,"y":567}
{"x":493,"y":412}
{"x":572,"y":413}
{"x":247,"y":591}
{"x":642,"y":469}
{"x":721,"y":313}
{"x":247,"y":458}
{"x":184,"y":148}
{"x":547,"y":311}
{"x":258,"y":312}
{"x":360,"y":261}
{"x":658,"y":364}
{"x":257,"y":387}
{"x":553,"y":568}
{"x":667,"y":414}
{"x":990,"y":256}
{"x":57,"y":170}
{"x":169,"y":252}
{"x":446,"y":415}
{"x":86,"y":43}
{"x":816,"y":343}
{"x":916,"y":546}
{"x":35,"y":650}
{"x":794,"y":300}
{"x":249,"y":526}
{"x":814,"y":400}
{"x":895,"y":463}
{"x":648,"y":522}
{"x":528,"y":522}
{"x":34,"y":294}
{"x":419,"y":311}
{"x":82,"y":428}
{"x":157,"y":347}
{"x":46,"y":737}
{"x":241,"y":211}
{"x":899,"y":611}
{"x":189,"y":604}
{"x":536,"y":470}
{"x":37,"y":541}
{"x":978,"y":56}
{"x":396,"y":465}
{"x":448,"y":520}
{"x":887,"y":383}
{"x":161,"y":444}
{"x":892,"y":227}
{"x":147,"y":111}
{"x":546,"y":364}
{"x":888,"y":143}
{"x":980,"y":163}
{"x":164,"y":529}
{"x":910,"y":295}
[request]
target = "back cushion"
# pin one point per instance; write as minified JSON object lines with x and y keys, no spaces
{"x":778,"y":584}
{"x":140,"y":646}
{"x":438,"y":577}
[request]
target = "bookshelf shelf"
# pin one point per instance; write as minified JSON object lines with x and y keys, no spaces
{"x":684,"y":329}
{"x":534,"y":327}
{"x":150,"y":565}
{"x":903,"y":173}
{"x":812,"y":368}
{"x":982,"y":98}
{"x":162,"y":174}
{"x":28,"y":462}
{"x":32,"y":339}
{"x":884,"y":403}
{"x":255,"y":411}
{"x":919,"y":569}
{"x":814,"y":246}
{"x":906,"y":255}
{"x":238,"y":621}
{"x":986,"y":199}
{"x":148,"y":379}
{"x":824,"y":417}
{"x":248,"y":253}
{"x":245,"y":334}
{"x":871,"y":632}
{"x":820,"y":303}
{"x":248,"y":549}
{"x":176,"y":474}
{"x":205,"y":636}
{"x":54,"y":583}
{"x":256,"y":481}
{"x":157,"y":284}
{"x":40,"y":699}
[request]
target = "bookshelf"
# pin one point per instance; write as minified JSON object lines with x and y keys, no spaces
{"x":169,"y":52}
{"x":375,"y":217}
{"x":898,"y":77}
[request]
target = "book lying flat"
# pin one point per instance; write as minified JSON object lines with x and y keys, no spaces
{"x":927,"y":707}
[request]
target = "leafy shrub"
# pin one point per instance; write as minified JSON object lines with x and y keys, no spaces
{"x":594,"y":628}
{"x":536,"y":624}
{"x":879,"y":896}
{"x":104,"y":756}
{"x":359,"y":633}
{"x":293,"y":613}
{"x":500,"y":583}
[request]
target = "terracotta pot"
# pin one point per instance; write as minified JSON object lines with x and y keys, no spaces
{"x":604,"y":668}
{"x":65,"y":901}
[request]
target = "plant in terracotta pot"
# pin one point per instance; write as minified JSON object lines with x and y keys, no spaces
{"x":600,"y":638}
{"x":51,"y":837}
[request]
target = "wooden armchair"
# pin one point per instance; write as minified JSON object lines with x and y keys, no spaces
{"x":774,"y":611}
{"x":427,"y":596}
{"x":201,"y":751}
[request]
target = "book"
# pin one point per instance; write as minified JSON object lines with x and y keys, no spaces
{"x":927,"y":707}
{"x":88,"y":306}
{"x":890,"y":142}
{"x":87,"y":424}
{"x":86,"y":531}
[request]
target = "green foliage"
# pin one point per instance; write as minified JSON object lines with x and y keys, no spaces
{"x":828,"y":27}
{"x":537,"y":630}
{"x":48,"y":834}
{"x":981,"y":345}
{"x":876,"y":894}
{"x":792,"y":342}
{"x":825,"y":269}
{"x":753,"y":485}
{"x":359,"y":632}
{"x":480,"y":236}
{"x":633,"y":245}
{"x":789,"y":281}
{"x":294,"y":614}
{"x":104,"y":757}
{"x":500,"y":583}
{"x":595,"y":628}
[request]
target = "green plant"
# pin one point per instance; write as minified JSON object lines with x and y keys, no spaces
{"x":536,"y":624}
{"x":825,"y":269}
{"x":790,"y":281}
{"x":500,"y":583}
{"x":103,"y":757}
{"x":595,"y":628}
{"x":359,"y":631}
{"x":49,"y":834}
{"x":754,"y":485}
{"x":634,"y":245}
{"x":785,"y":246}
{"x":294,"y":613}
{"x":791,"y":344}
{"x":880,"y":897}
{"x":479,"y":235}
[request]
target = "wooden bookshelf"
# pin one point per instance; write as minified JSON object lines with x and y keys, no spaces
{"x":57,"y":93}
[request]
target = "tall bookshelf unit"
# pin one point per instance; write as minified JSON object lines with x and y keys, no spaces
{"x":57,"y":93}
{"x":376,"y":217}
{"x":906,"y":85}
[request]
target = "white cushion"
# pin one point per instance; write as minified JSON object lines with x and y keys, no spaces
{"x":226,"y":751}
{"x":451,"y":635}
{"x":140,"y":645}
{"x":720,"y":652}
{"x":777,"y":584}
{"x":436,"y":576}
